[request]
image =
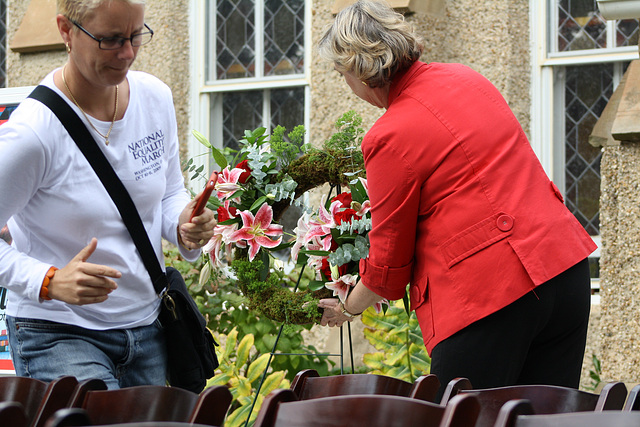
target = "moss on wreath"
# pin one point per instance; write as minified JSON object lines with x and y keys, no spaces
{"x":275,"y":301}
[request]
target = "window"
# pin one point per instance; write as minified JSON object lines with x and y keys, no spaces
{"x":255,"y":67}
{"x":579,"y":60}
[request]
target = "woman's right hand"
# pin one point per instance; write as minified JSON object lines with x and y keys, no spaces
{"x":81,"y":282}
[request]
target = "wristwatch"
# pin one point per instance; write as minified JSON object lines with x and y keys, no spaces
{"x":346,"y":313}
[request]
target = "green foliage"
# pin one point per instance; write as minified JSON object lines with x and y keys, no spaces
{"x":242,"y":368}
{"x":225,"y":309}
{"x":287,"y":150}
{"x":397,"y":336}
{"x":595,"y":373}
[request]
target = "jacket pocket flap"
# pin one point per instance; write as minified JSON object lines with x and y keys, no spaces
{"x":477,"y":237}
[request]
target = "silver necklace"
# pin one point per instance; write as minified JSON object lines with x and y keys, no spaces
{"x":115,"y":112}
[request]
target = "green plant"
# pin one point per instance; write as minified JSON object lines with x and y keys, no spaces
{"x":397,"y":335}
{"x":595,"y":373}
{"x":241,"y":369}
{"x":225,"y":309}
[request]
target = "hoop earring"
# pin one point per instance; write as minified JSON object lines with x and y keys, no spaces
{"x":365,"y":83}
{"x":68,"y":47}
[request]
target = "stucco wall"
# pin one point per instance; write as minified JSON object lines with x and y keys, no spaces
{"x":620,"y":263}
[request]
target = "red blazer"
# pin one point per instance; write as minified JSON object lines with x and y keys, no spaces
{"x":461,"y":206}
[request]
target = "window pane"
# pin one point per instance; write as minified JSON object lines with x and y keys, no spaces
{"x":627,"y":32}
{"x":235,"y":33}
{"x":287,"y":107}
{"x":241,"y":111}
{"x":580,"y":25}
{"x":284,"y":37}
{"x":587,"y":91}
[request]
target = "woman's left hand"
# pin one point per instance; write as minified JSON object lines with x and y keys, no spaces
{"x":196,"y":233}
{"x":332,"y":314}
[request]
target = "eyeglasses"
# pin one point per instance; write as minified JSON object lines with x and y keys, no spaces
{"x":112,"y":43}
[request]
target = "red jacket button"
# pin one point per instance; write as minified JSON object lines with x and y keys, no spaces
{"x":504,"y":222}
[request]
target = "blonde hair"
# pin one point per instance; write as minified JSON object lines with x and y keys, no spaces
{"x":78,"y":10}
{"x":371,"y":40}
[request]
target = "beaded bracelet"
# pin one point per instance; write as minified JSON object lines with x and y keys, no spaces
{"x":44,"y":290}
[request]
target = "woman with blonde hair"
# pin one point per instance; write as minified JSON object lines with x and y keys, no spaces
{"x":81,"y":302}
{"x":497,"y":265}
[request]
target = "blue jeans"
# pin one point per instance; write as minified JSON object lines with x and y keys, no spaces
{"x":120,"y":357}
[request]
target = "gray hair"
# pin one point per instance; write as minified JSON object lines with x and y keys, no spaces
{"x":371,"y":40}
{"x":78,"y":10}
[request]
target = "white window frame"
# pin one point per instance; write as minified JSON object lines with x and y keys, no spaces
{"x":545,"y":107}
{"x":542,"y":83}
{"x":204,"y":92}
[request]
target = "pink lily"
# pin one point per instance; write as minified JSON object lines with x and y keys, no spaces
{"x":215,"y":245}
{"x":227,"y":183}
{"x":301,"y":231}
{"x":317,"y":244}
{"x":366,"y":207}
{"x":322,"y":224}
{"x":378,"y":306}
{"x":255,"y":230}
{"x":342,"y":285}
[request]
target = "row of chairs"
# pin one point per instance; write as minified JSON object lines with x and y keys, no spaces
{"x":65,"y":402}
{"x":363,"y":400}
{"x":354,"y":400}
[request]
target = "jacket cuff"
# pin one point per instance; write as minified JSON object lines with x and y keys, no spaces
{"x":388,"y":282}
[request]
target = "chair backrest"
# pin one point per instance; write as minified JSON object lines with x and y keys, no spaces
{"x":81,"y":389}
{"x":212,"y":406}
{"x":140,"y":403}
{"x":545,"y":399}
{"x":57,"y":395}
{"x":633,"y":399}
{"x":308,"y":384}
{"x":12,"y":415}
{"x":38,"y":398}
{"x":282,"y":409}
{"x":581,"y":419}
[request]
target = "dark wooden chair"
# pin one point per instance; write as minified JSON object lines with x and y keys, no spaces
{"x":12,"y":415}
{"x":519,"y":413}
{"x":281,"y":408}
{"x":76,"y":417}
{"x":544,"y":399}
{"x":633,"y":399}
{"x":37,"y":398}
{"x":62,"y":395}
{"x":308,"y":384}
{"x":77,"y":397}
{"x":147,"y":404}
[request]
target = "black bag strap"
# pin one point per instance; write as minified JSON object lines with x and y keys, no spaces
{"x":96,"y":158}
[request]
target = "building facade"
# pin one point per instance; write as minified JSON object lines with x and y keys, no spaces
{"x":240,"y":64}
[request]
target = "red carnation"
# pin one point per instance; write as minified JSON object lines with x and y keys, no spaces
{"x":244,"y":176}
{"x":344,"y":198}
{"x":224,"y":214}
{"x":344,"y":216}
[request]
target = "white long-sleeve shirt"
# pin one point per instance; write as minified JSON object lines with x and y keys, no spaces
{"x":54,"y":204}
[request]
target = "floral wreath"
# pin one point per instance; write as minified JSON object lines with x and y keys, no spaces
{"x":271,"y":174}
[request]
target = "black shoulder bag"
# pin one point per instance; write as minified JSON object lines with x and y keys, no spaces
{"x":191,"y":351}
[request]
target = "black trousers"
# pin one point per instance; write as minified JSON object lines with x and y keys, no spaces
{"x":538,"y":339}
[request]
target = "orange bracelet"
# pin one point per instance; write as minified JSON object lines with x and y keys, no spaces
{"x":44,"y":290}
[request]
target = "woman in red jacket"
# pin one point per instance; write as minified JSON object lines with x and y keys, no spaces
{"x":463,"y":211}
